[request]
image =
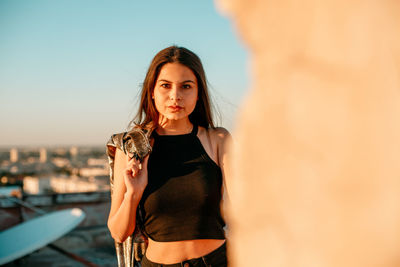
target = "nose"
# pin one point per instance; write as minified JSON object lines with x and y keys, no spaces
{"x":175,"y":93}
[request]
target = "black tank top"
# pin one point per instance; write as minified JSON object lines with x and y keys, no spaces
{"x":183,"y":194}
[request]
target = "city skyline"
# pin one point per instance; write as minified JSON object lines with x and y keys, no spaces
{"x":71,"y":71}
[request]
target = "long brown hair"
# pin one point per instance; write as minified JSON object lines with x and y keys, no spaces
{"x":148,"y":114}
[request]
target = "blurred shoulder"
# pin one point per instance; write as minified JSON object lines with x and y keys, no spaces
{"x":220,"y":132}
{"x":219,"y":135}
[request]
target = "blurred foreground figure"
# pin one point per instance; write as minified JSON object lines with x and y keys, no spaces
{"x":317,"y":155}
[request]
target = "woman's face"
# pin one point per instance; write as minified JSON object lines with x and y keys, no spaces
{"x":175,"y":92}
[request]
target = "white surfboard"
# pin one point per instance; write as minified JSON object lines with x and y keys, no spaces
{"x":31,"y":235}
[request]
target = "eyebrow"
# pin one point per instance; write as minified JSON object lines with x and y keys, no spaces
{"x":187,"y":81}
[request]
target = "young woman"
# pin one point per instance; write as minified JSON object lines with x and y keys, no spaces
{"x":178,"y":187}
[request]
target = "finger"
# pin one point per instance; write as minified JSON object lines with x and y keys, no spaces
{"x":128,"y":172}
{"x":132,"y":162}
{"x":135,"y":170}
{"x":143,"y":164}
{"x":138,"y":164}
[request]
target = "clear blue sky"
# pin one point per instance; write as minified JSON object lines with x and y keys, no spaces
{"x":70,"y":70}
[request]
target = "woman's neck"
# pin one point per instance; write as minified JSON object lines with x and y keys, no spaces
{"x":174,"y":127}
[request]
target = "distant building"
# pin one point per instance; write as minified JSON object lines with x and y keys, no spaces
{"x":43,"y":155}
{"x":63,"y":184}
{"x":60,"y":162}
{"x":92,"y":171}
{"x":97,"y":162}
{"x":14,"y":169}
{"x":73,"y":151}
{"x":36,"y":185}
{"x":13,"y":155}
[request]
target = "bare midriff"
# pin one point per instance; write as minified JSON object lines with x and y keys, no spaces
{"x":178,"y":251}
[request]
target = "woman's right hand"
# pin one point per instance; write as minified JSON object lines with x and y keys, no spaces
{"x":135,"y":176}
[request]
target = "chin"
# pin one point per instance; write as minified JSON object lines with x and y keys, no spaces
{"x":173,"y":117}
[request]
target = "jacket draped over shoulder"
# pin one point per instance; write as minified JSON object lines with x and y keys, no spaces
{"x":133,"y":248}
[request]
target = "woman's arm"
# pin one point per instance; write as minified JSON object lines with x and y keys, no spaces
{"x":130,"y":180}
{"x":224,"y":142}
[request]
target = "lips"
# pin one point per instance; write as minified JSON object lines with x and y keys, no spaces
{"x":174,"y":108}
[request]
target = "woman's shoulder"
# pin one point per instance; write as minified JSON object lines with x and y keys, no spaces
{"x":220,"y":130}
{"x":221,"y":142}
{"x":217,"y":135}
{"x":220,"y":133}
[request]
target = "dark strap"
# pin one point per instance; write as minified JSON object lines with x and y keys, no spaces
{"x":194,"y":130}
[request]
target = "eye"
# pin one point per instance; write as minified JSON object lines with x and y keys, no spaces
{"x":165,"y":85}
{"x":186,"y":86}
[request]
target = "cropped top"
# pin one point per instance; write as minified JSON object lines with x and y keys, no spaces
{"x":183,"y":194}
